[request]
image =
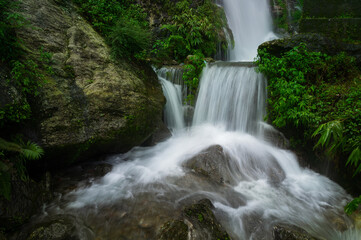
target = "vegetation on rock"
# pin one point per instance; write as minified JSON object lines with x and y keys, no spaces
{"x":319,"y":96}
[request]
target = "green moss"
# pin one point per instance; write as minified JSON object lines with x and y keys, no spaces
{"x":69,"y":71}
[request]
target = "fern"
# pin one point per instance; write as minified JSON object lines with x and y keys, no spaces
{"x":331,"y":136}
{"x":9,"y":146}
{"x":353,"y":205}
{"x":32,"y":151}
{"x":355,"y":159}
{"x":25,"y":151}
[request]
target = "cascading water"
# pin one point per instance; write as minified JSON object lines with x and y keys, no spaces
{"x":231,"y":96}
{"x":261,"y":185}
{"x":251,"y":24}
{"x":173,"y":112}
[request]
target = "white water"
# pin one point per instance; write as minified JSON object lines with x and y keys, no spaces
{"x":233,"y":97}
{"x":173,"y":109}
{"x":266,"y":184}
{"x":251,"y":24}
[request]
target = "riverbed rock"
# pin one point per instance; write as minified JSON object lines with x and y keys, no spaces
{"x":197,"y":222}
{"x":286,"y":232}
{"x":59,"y":227}
{"x":275,"y":137}
{"x":212,"y":163}
{"x":91,"y":104}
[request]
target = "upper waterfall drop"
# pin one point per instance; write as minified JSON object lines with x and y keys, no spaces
{"x":251,"y":24}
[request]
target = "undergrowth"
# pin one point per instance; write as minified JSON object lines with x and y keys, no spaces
{"x":319,"y":95}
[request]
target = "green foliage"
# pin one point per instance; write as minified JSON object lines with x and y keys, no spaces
{"x":192,"y":71}
{"x":25,"y":74}
{"x":15,"y":154}
{"x":355,"y":159}
{"x":353,"y":205}
{"x":9,"y":21}
{"x":129,"y":38}
{"x":122,"y":22}
{"x":331,"y":136}
{"x":317,"y":94}
{"x":192,"y":30}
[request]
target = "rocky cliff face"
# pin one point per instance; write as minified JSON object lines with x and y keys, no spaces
{"x":91,"y":104}
{"x":335,"y":18}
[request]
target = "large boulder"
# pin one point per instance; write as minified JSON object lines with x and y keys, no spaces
{"x":91,"y":104}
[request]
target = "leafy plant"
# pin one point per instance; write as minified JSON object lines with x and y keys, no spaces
{"x":192,"y":30}
{"x":192,"y":71}
{"x":23,"y":152}
{"x":353,"y":205}
{"x":128,"y":38}
{"x":318,"y":95}
{"x":331,"y":136}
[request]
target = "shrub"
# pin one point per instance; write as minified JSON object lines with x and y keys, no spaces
{"x":128,"y":38}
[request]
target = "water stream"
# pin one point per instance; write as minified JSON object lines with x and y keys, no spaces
{"x":262,"y":185}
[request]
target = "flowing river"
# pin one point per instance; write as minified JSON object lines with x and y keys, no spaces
{"x":256,"y":184}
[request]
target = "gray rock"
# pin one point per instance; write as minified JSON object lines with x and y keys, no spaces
{"x":91,"y":104}
{"x":286,"y":232}
{"x":197,"y":222}
{"x":59,"y":227}
{"x":213,"y":164}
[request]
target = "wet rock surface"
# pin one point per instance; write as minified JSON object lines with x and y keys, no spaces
{"x":197,"y":222}
{"x":287,"y":232}
{"x":212,"y":163}
{"x":91,"y":104}
{"x":276,"y":137}
{"x":60,"y":227}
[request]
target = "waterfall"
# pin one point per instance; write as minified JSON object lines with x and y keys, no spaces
{"x":251,"y":24}
{"x":231,"y":96}
{"x":259,"y":184}
{"x":173,"y":110}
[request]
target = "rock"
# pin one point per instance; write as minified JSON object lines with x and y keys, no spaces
{"x":161,"y":134}
{"x":59,"y":227}
{"x":176,"y":229}
{"x":213,"y":164}
{"x":283,"y":232}
{"x":276,"y":137}
{"x":91,"y":104}
{"x":316,"y":43}
{"x":25,"y":199}
{"x":197,"y":222}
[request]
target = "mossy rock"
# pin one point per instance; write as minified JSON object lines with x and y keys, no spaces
{"x":197,"y":222}
{"x":92,"y":104}
{"x":287,"y":232}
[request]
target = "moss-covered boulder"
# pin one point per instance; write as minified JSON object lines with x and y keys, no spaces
{"x":197,"y":222}
{"x":58,"y":227}
{"x":287,"y":232}
{"x":91,"y":104}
